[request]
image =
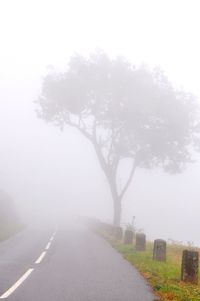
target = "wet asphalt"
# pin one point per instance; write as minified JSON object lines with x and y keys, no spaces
{"x":78,"y":266}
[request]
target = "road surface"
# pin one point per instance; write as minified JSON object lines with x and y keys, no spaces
{"x":66,"y":265}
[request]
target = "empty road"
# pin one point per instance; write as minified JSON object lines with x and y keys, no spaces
{"x":71,"y":264}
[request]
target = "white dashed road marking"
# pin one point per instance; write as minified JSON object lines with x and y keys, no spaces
{"x":27,"y":274}
{"x":16,"y":285}
{"x":40,"y":258}
{"x":48,"y":246}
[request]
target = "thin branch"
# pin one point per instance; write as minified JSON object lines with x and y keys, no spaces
{"x":110,"y":170}
{"x":84,"y":132}
{"x":110,"y":149}
{"x":129,"y":180}
{"x":101,"y":158}
{"x":92,"y":138}
{"x":95,"y":130}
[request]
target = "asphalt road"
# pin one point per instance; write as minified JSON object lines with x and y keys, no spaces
{"x":67,"y":265}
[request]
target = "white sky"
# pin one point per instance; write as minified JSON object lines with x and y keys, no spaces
{"x":35,"y":34}
{"x":39,"y":33}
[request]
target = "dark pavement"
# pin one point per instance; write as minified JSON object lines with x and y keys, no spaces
{"x":78,"y":266}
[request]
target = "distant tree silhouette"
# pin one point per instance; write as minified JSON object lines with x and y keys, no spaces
{"x":127,"y":113}
{"x":9,"y":219}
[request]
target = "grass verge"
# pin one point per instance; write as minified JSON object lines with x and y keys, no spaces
{"x":163,"y":277}
{"x":9,"y":231}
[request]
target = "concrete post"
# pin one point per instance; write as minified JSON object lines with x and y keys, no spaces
{"x":190,"y":266}
{"x":118,"y":233}
{"x":128,"y":237}
{"x":159,"y":250}
{"x":140,"y":242}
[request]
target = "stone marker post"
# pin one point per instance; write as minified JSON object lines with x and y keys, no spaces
{"x":118,"y":233}
{"x":159,"y":250}
{"x":110,"y":229}
{"x":190,"y":266}
{"x":128,"y":237}
{"x":140,"y":242}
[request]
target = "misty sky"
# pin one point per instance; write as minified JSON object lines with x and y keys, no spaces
{"x":50,"y":173}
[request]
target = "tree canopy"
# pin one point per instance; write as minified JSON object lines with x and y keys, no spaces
{"x":127,"y":112}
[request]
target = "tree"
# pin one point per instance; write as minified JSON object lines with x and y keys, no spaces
{"x":127,"y":113}
{"x":9,"y":219}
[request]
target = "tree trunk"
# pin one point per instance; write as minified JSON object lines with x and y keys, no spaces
{"x":117,"y":209}
{"x":117,"y":212}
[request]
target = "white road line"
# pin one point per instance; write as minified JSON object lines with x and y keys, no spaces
{"x":25,"y":276}
{"x":52,"y":238}
{"x":16,"y":285}
{"x":40,"y":258}
{"x":48,"y":246}
{"x":53,"y":235}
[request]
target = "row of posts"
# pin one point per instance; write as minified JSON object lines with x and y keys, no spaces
{"x":190,"y":259}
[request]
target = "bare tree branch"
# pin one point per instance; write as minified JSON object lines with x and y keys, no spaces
{"x":101,"y":158}
{"x":83,"y":131}
{"x":129,"y":180}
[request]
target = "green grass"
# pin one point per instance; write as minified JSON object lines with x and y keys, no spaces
{"x":8,"y":231}
{"x":164,"y":277}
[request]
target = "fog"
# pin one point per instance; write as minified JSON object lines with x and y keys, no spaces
{"x":53,"y":175}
